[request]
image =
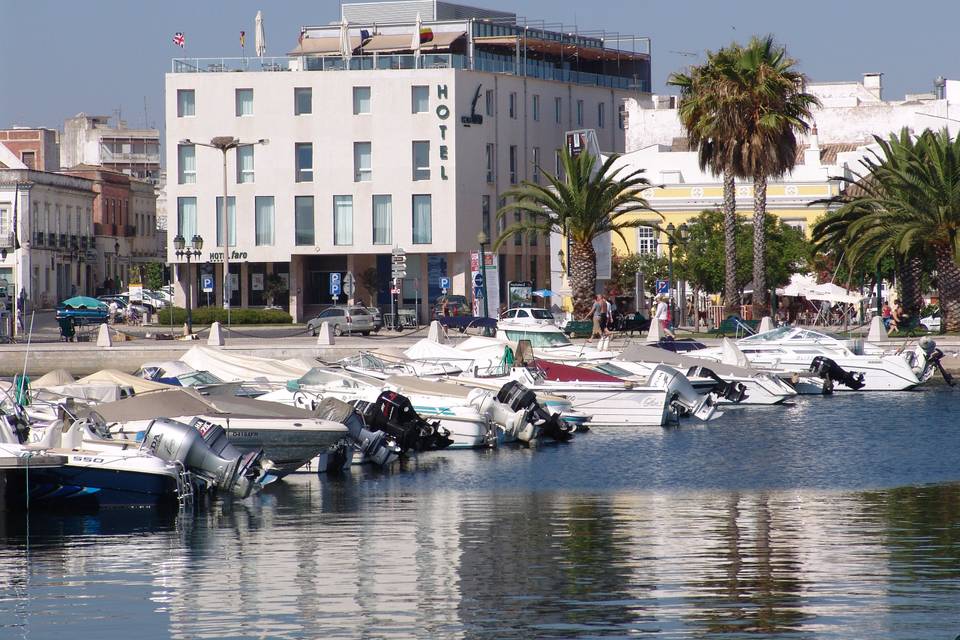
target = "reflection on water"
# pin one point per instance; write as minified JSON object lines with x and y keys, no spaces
{"x":791,"y":523}
{"x":306,"y":559}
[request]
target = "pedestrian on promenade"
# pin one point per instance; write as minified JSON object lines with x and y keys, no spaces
{"x":885,"y":314}
{"x":595,"y":316}
{"x":662,"y":316}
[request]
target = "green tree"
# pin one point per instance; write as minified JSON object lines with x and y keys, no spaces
{"x":370,"y":280}
{"x":273,"y":288}
{"x":585,"y":203}
{"x":154,"y":275}
{"x":624,"y":268}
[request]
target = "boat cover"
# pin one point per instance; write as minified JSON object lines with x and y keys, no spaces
{"x":139,"y":385}
{"x":556,"y":372}
{"x":88,"y":391}
{"x":175,"y":402}
{"x":53,"y":378}
{"x":409,"y":384}
{"x":654,"y":355}
{"x":233,"y":367}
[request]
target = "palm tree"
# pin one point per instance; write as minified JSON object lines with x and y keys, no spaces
{"x":705,"y":115}
{"x":768,"y":106}
{"x":906,"y":202}
{"x":584,"y":204}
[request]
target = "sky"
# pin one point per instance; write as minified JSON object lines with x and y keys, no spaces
{"x":60,"y":58}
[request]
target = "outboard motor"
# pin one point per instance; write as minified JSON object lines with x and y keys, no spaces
{"x":728,"y":390}
{"x":825,"y":368}
{"x":683,"y":398}
{"x":177,"y":442}
{"x":518,"y":398}
{"x":513,"y":422}
{"x":375,"y":445}
{"x":394,"y":415}
{"x":926,"y":357}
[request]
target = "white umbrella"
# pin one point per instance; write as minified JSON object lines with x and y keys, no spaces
{"x":259,"y":40}
{"x":415,"y":41}
{"x":346,"y":50}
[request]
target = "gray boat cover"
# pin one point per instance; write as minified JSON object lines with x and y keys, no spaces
{"x":187,"y":402}
{"x":655,"y":355}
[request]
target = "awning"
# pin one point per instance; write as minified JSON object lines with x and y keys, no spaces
{"x":319,"y":46}
{"x":396,"y":42}
{"x":556,"y":48}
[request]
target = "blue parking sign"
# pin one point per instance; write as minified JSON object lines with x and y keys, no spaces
{"x":206,"y":283}
{"x":335,"y":284}
{"x":663,"y":287}
{"x":444,"y":282}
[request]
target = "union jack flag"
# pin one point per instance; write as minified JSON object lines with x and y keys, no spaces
{"x":179,"y":40}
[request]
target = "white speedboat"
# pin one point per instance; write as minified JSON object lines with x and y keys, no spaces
{"x":842,"y":364}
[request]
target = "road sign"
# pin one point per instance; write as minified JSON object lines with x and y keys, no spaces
{"x":349,"y":284}
{"x":397,"y":251}
{"x":478,"y":293}
{"x":206,"y":283}
{"x":663,"y":287}
{"x":395,"y":259}
{"x":399,"y":273}
{"x":478,"y":280}
{"x":335,"y":284}
{"x":444,"y":282}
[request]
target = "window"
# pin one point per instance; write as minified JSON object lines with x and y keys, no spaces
{"x":186,"y":105}
{"x":186,"y":217}
{"x":491,"y":163}
{"x":513,"y":104}
{"x":646,"y":242}
{"x":422,"y":220}
{"x":579,"y":113}
{"x":186,"y":164}
{"x":517,"y":237}
{"x":513,"y":164}
{"x":304,"y":160}
{"x":622,"y":116}
{"x":557,"y":165}
{"x":245,"y":164}
{"x":244,"y":99}
{"x":382,"y":219}
{"x":485,"y":214}
{"x":490,"y":103}
{"x":532,"y":235}
{"x":518,"y":267}
{"x":558,"y":109}
{"x":533,"y":279}
{"x":501,"y":220}
{"x":29,"y":158}
{"x":362,"y":170}
{"x":302,"y":101}
{"x":343,"y":220}
{"x":231,"y":220}
{"x":6,"y":221}
{"x":263,"y":220}
{"x":303,"y":220}
{"x":420,"y":99}
{"x":536,"y":165}
{"x":601,"y":115}
{"x":536,"y":107}
{"x":421,"y":160}
{"x":361,"y":100}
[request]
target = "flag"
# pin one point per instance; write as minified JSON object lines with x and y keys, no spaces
{"x":179,"y":40}
{"x":426,"y":34}
{"x":243,"y":39}
{"x":364,"y":35}
{"x":302,"y":34}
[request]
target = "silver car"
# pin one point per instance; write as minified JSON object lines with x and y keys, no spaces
{"x":344,"y":319}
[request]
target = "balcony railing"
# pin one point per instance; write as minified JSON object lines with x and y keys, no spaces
{"x":7,"y":240}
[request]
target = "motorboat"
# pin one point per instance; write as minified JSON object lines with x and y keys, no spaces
{"x":180,"y":374}
{"x":841,"y":364}
{"x":289,"y":437}
{"x":760,"y":388}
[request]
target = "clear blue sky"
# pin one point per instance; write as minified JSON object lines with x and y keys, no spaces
{"x":59,"y":58}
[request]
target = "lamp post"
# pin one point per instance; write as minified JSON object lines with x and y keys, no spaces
{"x":482,"y":239}
{"x":671,"y":240}
{"x":179,"y":244}
{"x":224,"y":144}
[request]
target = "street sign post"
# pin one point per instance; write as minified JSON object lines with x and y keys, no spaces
{"x":349,"y":284}
{"x":663,"y":287}
{"x":206,"y":283}
{"x":444,"y":284}
{"x":335,"y":285}
{"x":478,"y":280}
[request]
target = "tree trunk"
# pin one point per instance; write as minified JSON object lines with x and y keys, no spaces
{"x":948,"y":276}
{"x":731,"y":297}
{"x":583,"y":277}
{"x":759,"y":245}
{"x":908,"y":276}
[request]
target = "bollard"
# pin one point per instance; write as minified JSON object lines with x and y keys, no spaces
{"x":766,"y":324}
{"x":325,"y":335}
{"x":878,"y":333}
{"x":103,"y":336}
{"x":215,"y":339}
{"x":436,"y":333}
{"x":655,"y":333}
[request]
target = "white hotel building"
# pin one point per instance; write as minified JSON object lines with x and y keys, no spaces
{"x":385,"y":147}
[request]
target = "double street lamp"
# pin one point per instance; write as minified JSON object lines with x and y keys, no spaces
{"x":224,"y":144}
{"x":182,"y":251}
{"x":483,"y":239}
{"x":671,"y":240}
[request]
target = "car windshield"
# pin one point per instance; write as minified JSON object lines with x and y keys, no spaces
{"x":539,"y":338}
{"x":541,"y":314}
{"x":359,"y":311}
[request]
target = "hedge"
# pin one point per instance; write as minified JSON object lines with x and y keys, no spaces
{"x":208,"y":315}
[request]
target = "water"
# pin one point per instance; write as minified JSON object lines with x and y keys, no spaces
{"x":833,"y":518}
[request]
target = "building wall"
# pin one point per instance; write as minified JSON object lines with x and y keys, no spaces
{"x":42,"y":143}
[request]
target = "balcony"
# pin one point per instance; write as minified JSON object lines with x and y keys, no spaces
{"x":333,"y":62}
{"x":7,"y":240}
{"x":38,"y":238}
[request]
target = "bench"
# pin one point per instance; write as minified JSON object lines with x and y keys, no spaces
{"x":737,"y":327}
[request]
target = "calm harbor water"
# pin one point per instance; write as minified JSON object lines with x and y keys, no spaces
{"x":832,"y":518}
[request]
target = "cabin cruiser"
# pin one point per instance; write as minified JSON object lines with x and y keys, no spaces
{"x":180,"y":374}
{"x":759,"y":388}
{"x":841,"y":364}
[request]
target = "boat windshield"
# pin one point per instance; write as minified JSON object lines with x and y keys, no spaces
{"x":541,"y":314}
{"x":195,"y":378}
{"x":613,"y":370}
{"x":774,"y":335}
{"x":539,"y":338}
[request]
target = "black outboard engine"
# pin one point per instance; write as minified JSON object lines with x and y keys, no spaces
{"x":377,"y":446}
{"x":519,"y":398}
{"x":831,"y":372}
{"x":394,"y":415}
{"x":728,"y":390}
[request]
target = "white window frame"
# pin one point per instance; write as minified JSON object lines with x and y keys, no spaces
{"x":646,"y":241}
{"x":300,"y":91}
{"x":344,"y":238}
{"x":362,"y":172}
{"x":302,"y":174}
{"x":241,"y":103}
{"x":421,"y":171}
{"x":182,"y":103}
{"x":419,"y":97}
{"x":185,"y":175}
{"x":358,"y":100}
{"x":245,"y":176}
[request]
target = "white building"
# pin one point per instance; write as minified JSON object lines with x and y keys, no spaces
{"x":91,"y":140}
{"x":384,"y":147}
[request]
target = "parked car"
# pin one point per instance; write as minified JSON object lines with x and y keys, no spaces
{"x":81,"y":316}
{"x":343,"y":319}
{"x":456,"y":306}
{"x":377,"y":318}
{"x":146,"y":303}
{"x":931,"y":322}
{"x":528,"y":315}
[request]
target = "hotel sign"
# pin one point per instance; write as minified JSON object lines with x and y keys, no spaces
{"x":443,"y":112}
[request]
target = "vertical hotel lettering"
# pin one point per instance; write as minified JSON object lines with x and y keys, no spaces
{"x":443,"y":112}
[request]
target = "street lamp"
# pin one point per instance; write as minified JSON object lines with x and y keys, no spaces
{"x":483,"y":239}
{"x":671,"y":240}
{"x":224,"y":144}
{"x":179,"y":243}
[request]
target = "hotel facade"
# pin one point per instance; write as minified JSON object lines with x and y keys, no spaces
{"x":371,"y":145}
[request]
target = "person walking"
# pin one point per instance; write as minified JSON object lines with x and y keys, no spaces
{"x":885,"y":314}
{"x":662,"y":316}
{"x":595,"y":316}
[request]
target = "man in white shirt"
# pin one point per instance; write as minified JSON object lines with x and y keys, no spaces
{"x":662,"y":315}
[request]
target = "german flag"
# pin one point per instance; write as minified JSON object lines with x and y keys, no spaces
{"x":426,"y":34}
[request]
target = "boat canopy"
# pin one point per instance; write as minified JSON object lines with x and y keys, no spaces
{"x":234,"y":367}
{"x":177,"y":402}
